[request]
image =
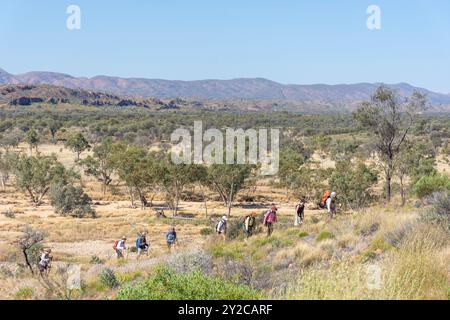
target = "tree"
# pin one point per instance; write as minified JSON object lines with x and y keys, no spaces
{"x":30,"y":245}
{"x":389,"y":121}
{"x":227,"y":180}
{"x":77,"y":143}
{"x":70,"y":200}
{"x":35,"y":175}
{"x":175,"y":177}
{"x":6,"y":166}
{"x":101,"y":164}
{"x":11,"y":139}
{"x":53,"y":126}
{"x":32,"y":138}
{"x":353,"y":183}
{"x":414,"y":161}
{"x":138,"y":169}
{"x":292,"y":160}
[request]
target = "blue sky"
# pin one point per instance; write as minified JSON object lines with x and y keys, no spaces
{"x":288,"y":41}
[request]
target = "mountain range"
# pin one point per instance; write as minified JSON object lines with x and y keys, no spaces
{"x":241,"y":88}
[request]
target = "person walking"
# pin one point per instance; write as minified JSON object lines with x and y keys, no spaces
{"x":45,"y":261}
{"x":299,"y":212}
{"x":249,"y":224}
{"x":270,"y":218}
{"x":331,"y":204}
{"x":120,"y":247}
{"x":141,"y":245}
{"x":221,"y":227}
{"x":171,"y":238}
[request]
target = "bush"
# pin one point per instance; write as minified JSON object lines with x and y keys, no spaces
{"x":71,"y":200}
{"x":440,"y":211}
{"x":206,"y":231}
{"x":235,"y":229}
{"x":108,"y":278}
{"x":187,"y":262}
{"x":353,"y":183}
{"x":24,"y":293}
{"x":324,"y":235}
{"x":95,"y":260}
{"x":166,"y":284}
{"x":428,"y":185}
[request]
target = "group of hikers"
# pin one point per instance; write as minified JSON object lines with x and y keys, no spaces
{"x":142,"y":245}
{"x":328,"y":202}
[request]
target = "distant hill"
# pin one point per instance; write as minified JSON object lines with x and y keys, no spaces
{"x":340,"y":96}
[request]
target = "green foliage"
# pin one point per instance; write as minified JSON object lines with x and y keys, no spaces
{"x":24,"y":293}
{"x":206,"y":231}
{"x":227,"y":180}
{"x":95,"y":260}
{"x":234,"y":228}
{"x":32,"y":138}
{"x":101,"y":164}
{"x":69,"y":200}
{"x":176,"y":177}
{"x":165,"y":284}
{"x":108,"y":278}
{"x":440,"y":211}
{"x":428,"y":185}
{"x":36,"y":174}
{"x":353,"y":183}
{"x":77,"y":143}
{"x":324,"y":235}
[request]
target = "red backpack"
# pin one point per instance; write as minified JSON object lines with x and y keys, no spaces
{"x":115,"y":244}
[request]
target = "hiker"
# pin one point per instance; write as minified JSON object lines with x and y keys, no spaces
{"x":299,"y":212}
{"x":120,"y":247}
{"x":323,"y":200}
{"x":171,"y":238}
{"x":221,"y":227}
{"x":331,"y":204}
{"x":45,"y":262}
{"x":269,"y":219}
{"x":141,"y":244}
{"x":249,"y":224}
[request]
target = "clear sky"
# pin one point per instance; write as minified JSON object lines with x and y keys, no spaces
{"x":289,"y":41}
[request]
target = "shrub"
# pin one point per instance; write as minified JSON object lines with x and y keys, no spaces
{"x":166,"y":284}
{"x":71,"y":200}
{"x":234,"y":229}
{"x":440,"y":211}
{"x":206,"y":231}
{"x":428,"y":185}
{"x":24,"y":293}
{"x":187,"y":262}
{"x":108,"y":278}
{"x":95,"y":260}
{"x":324,"y":235}
{"x":353,"y":183}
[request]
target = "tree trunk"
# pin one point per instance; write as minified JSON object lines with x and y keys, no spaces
{"x":389,"y":171}
{"x":27,"y":260}
{"x":131,"y":196}
{"x":230,"y":200}
{"x":402,"y":191}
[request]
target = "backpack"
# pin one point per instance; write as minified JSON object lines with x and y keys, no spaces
{"x":300,"y":208}
{"x":170,"y":237}
{"x":221,"y":223}
{"x":116,"y":243}
{"x":324,"y":198}
{"x":138,"y":242}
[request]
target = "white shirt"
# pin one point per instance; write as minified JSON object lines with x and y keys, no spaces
{"x":121,"y":245}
